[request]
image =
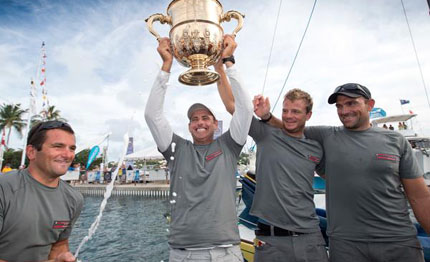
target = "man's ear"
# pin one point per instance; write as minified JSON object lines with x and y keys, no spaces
{"x":308,"y":115}
{"x":31,"y":152}
{"x":371,"y":104}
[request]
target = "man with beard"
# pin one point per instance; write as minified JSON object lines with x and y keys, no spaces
{"x":203,"y":183}
{"x":370,"y":174}
{"x":288,"y":227}
{"x":37,"y":208}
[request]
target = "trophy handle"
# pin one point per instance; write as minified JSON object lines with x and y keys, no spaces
{"x":157,"y":17}
{"x":233,"y":14}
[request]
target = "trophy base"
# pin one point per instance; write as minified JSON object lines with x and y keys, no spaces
{"x":198,"y":77}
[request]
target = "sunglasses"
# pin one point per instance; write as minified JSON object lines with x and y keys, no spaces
{"x":46,"y":126}
{"x":352,"y":87}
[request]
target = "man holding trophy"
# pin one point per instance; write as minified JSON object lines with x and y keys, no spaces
{"x":204,"y":221}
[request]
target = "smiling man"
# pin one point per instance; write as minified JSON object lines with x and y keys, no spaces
{"x":37,"y":208}
{"x":371,"y":174}
{"x":203,"y":183}
{"x":288,"y":227}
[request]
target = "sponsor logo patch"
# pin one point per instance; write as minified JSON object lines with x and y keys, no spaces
{"x":213,"y":155}
{"x":61,"y":224}
{"x":387,"y":157}
{"x":314,"y":159}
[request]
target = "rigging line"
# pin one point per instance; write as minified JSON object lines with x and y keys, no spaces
{"x":252,"y":148}
{"x":271,"y":48}
{"x":297,"y":53}
{"x":416,"y":53}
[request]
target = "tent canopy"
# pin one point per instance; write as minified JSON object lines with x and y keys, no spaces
{"x":146,"y":154}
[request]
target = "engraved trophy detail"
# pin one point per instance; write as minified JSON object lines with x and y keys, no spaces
{"x":196,"y":36}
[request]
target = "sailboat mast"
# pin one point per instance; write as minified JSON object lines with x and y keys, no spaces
{"x":33,"y":94}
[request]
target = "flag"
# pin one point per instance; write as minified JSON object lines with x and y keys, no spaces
{"x":92,"y":155}
{"x":403,"y":102}
{"x":3,"y":138}
{"x":377,"y":112}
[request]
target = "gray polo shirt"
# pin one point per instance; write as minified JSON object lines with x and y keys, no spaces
{"x":284,"y":171}
{"x":34,"y":216}
{"x":365,"y":201}
{"x":202,"y":192}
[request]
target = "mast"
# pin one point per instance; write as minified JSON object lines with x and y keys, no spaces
{"x":2,"y":146}
{"x":33,"y":95}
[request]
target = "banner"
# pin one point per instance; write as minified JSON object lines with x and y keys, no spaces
{"x":92,"y":155}
{"x":377,"y":112}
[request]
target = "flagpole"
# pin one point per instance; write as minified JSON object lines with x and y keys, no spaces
{"x":2,"y":145}
{"x":32,"y":109}
{"x":401,"y":106}
{"x":1,"y":157}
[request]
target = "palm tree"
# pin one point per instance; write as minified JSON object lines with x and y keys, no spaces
{"x":50,"y":114}
{"x":54,"y":114}
{"x":11,"y":117}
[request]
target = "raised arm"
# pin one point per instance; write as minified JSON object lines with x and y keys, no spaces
{"x":158,"y":125}
{"x":224,"y":87}
{"x":419,"y":197}
{"x":234,"y":96}
{"x":262,"y":110}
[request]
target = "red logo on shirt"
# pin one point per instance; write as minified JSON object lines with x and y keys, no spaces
{"x":387,"y":157}
{"x":213,"y":155}
{"x":314,"y":159}
{"x":61,"y":224}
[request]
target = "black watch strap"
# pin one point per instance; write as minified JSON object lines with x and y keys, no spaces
{"x":268,"y":119}
{"x":230,"y":58}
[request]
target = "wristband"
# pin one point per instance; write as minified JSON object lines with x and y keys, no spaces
{"x":268,"y":119}
{"x":230,"y":58}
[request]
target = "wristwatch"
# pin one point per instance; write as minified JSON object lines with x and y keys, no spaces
{"x":230,"y":58}
{"x":268,"y":119}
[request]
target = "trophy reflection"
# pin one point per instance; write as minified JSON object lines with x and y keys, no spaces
{"x":196,"y":36}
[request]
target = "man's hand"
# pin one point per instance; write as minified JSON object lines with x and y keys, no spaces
{"x":261,"y":106}
{"x":229,"y":45}
{"x":62,"y":257}
{"x":65,"y":257}
{"x":165,"y":53}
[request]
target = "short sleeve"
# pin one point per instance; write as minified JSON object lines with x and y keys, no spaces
{"x":408,"y":167}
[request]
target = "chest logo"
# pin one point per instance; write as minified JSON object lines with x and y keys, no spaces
{"x":213,"y":155}
{"x":61,"y":224}
{"x":387,"y":157}
{"x":314,"y":159}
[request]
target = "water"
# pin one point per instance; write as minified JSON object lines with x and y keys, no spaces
{"x":132,"y":229}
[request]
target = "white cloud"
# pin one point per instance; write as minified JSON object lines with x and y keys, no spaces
{"x":102,"y":60}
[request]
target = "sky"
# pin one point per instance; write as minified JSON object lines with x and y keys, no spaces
{"x":101,"y":60}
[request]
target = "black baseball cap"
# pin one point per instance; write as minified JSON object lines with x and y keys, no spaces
{"x":351,"y":90}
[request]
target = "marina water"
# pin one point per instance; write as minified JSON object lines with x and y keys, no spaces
{"x":132,"y":229}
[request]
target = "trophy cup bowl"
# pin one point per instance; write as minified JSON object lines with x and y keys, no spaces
{"x":196,"y":36}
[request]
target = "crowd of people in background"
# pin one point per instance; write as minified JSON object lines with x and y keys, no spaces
{"x":401,"y":126}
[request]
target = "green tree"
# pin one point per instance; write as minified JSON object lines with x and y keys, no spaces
{"x":243,"y":159}
{"x":51,"y":114}
{"x":13,"y":157}
{"x":11,"y":118}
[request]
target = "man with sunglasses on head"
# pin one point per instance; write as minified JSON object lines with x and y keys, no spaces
{"x":370,"y":174}
{"x":37,"y":208}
